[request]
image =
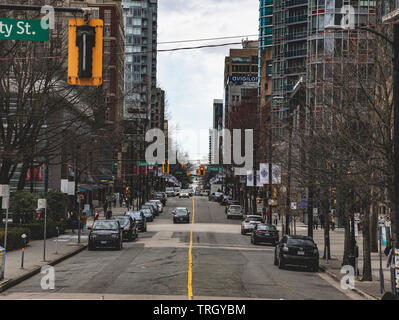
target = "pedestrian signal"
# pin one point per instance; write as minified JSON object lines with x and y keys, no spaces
{"x":85,"y":52}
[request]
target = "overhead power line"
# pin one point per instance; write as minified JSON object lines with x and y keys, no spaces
{"x":208,"y":39}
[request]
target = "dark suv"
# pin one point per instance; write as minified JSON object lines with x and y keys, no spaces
{"x":140,"y":219}
{"x":105,"y":233}
{"x":129,"y":227}
{"x":297,"y":250}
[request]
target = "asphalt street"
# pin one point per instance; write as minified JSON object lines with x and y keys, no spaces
{"x":225,"y":265}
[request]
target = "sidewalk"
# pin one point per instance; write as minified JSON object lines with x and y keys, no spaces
{"x":33,"y":261}
{"x":333,"y":266}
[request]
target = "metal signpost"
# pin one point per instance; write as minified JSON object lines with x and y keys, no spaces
{"x":41,"y":204}
{"x":5,"y":194}
{"x":381,"y":225}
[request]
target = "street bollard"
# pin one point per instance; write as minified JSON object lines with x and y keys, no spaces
{"x":23,"y":236}
{"x":56,"y":242}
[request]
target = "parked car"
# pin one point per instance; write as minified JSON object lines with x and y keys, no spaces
{"x":149,"y":206}
{"x":105,"y":233}
{"x":181,"y":214}
{"x":154,"y":206}
{"x":140,"y":219}
{"x":129,"y":227}
{"x":197,"y":192}
{"x":170,"y":192}
{"x":230,"y":202}
{"x":297,"y":250}
{"x":223,"y":201}
{"x":249,"y":223}
{"x":205,"y":193}
{"x":264,"y":233}
{"x":158,"y":203}
{"x":235,"y":211}
{"x":148,"y":215}
{"x":161,"y":196}
{"x":184,"y":193}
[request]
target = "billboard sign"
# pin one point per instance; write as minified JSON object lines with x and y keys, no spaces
{"x":243,"y":78}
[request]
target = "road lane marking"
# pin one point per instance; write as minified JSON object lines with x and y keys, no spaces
{"x":190,"y":260}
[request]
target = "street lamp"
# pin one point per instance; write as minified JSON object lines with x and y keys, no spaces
{"x":395,"y":62}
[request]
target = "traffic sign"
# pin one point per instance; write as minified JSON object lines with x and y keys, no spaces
{"x":293,"y":205}
{"x":22,"y":29}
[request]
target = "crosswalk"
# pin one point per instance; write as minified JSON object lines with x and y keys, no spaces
{"x":70,"y":237}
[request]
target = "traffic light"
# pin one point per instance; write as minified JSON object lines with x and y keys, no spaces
{"x":183,"y":165}
{"x":165,"y":167}
{"x":274,"y":192}
{"x":201,"y":171}
{"x":127,"y":190}
{"x":85,"y":52}
{"x":77,"y":188}
{"x":188,"y":173}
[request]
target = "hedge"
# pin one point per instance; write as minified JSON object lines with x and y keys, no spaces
{"x":36,"y":229}
{"x":14,"y":240}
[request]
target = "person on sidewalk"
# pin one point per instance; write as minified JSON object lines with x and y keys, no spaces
{"x":74,"y":220}
{"x":316,"y":223}
{"x":322,"y":221}
{"x":83,"y":220}
{"x":105,"y":207}
{"x":96,"y":216}
{"x":108,"y":214}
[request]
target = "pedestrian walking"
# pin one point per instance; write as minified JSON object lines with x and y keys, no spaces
{"x":83,"y":220}
{"x":315,"y":223}
{"x":96,"y":216}
{"x":121,"y":200}
{"x":108,"y":214}
{"x":74,"y":220}
{"x":321,"y":221}
{"x":105,"y":207}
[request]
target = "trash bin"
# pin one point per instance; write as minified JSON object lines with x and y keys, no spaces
{"x":2,"y":262}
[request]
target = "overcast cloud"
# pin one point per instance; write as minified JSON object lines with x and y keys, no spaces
{"x":193,"y":78}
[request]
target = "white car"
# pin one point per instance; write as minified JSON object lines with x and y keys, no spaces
{"x":170,"y":192}
{"x":205,"y":193}
{"x":159,"y":204}
{"x":234,"y":211}
{"x":249,"y":223}
{"x":184,"y":194}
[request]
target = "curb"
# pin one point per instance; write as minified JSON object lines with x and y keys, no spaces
{"x":358,"y":291}
{"x":13,"y":282}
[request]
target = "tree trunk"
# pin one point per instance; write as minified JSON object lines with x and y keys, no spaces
{"x":347,"y":241}
{"x":22,"y":177}
{"x":4,"y":171}
{"x":373,"y":227}
{"x":367,"y":271}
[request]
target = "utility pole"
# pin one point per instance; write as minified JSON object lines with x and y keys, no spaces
{"x":254,"y":204}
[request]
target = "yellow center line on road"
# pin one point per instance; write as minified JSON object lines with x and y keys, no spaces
{"x":190,"y":260}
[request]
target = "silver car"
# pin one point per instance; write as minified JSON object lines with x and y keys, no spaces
{"x":249,"y":223}
{"x":159,"y":204}
{"x":234,"y":211}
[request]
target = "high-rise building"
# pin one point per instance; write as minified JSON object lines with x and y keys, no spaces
{"x":140,"y":19}
{"x":217,"y":124}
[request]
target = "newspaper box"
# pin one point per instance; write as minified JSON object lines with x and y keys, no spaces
{"x":2,"y":262}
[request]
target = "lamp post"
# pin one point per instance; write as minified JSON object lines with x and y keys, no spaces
{"x":395,"y":46}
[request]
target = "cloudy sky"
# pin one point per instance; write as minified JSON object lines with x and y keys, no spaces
{"x":193,"y":78}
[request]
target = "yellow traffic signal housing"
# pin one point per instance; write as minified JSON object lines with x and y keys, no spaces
{"x":165,"y":168}
{"x":201,"y":171}
{"x":168,"y":167}
{"x":78,"y":188}
{"x":85,"y":52}
{"x":188,"y":173}
{"x":275,"y":193}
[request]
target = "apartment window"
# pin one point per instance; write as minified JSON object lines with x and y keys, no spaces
{"x":136,"y":22}
{"x":136,"y":31}
{"x":107,"y":17}
{"x":107,"y":31}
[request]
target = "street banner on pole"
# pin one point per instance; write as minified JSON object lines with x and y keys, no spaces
{"x":276,"y":174}
{"x":41,"y":204}
{"x":293,"y":205}
{"x":250,"y":178}
{"x":64,"y":185}
{"x":264,"y":173}
{"x":258,"y":182}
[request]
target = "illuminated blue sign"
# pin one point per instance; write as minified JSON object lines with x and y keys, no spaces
{"x":243,"y":78}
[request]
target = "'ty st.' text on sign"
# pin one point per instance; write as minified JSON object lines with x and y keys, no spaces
{"x":22,"y":29}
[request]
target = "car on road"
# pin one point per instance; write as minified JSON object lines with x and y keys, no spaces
{"x":105,"y":233}
{"x":158,"y":203}
{"x":181,"y":214}
{"x":148,"y":215}
{"x":297,"y":250}
{"x":161,"y":196}
{"x":140,"y":219}
{"x":266,"y":233}
{"x":205,"y":193}
{"x":215,"y":196}
{"x":177,"y":190}
{"x":129,"y":227}
{"x":224,"y":200}
{"x":149,"y":206}
{"x":249,"y":223}
{"x":197,"y":192}
{"x":235,"y":211}
{"x":154,"y":206}
{"x":185,"y":193}
{"x":170,"y":192}
{"x":229,"y":203}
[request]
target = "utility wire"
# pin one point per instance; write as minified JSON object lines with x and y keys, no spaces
{"x":206,"y":39}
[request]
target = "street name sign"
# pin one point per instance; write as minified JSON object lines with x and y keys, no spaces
{"x":22,"y":29}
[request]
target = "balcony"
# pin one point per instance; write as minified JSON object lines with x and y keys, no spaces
{"x":294,"y":3}
{"x":296,"y":36}
{"x":296,"y":19}
{"x":295,"y":53}
{"x":295,"y":70}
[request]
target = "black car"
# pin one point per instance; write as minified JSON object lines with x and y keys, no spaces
{"x":140,"y":218}
{"x":297,"y":250}
{"x":160,"y":196}
{"x":148,"y":215}
{"x":105,"y":233}
{"x":129,"y":226}
{"x":181,"y":214}
{"x":264,"y":233}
